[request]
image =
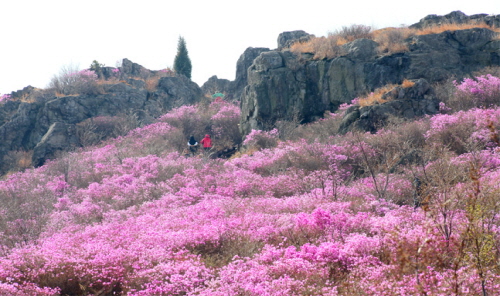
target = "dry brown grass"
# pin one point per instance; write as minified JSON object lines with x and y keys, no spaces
{"x":152,"y":83}
{"x":390,"y":40}
{"x":112,"y":80}
{"x":321,"y":47}
{"x":58,"y":94}
{"x":16,"y":161}
{"x":330,"y":46}
{"x":24,"y":160}
{"x":376,"y":96}
{"x":407,"y":83}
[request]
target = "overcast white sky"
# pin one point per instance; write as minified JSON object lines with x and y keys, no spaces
{"x":38,"y":37}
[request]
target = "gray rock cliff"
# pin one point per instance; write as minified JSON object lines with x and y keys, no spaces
{"x":282,"y":85}
{"x":40,"y":121}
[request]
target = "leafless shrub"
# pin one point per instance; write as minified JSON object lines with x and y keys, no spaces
{"x":494,"y":70}
{"x":18,"y":160}
{"x":353,"y":32}
{"x":71,"y":81}
{"x":288,"y":128}
{"x":25,"y":205}
{"x":97,"y":129}
{"x":445,"y":92}
{"x":321,"y":130}
{"x":457,"y":138}
{"x":412,"y":132}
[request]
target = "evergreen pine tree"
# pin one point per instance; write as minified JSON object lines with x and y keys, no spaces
{"x":182,"y":62}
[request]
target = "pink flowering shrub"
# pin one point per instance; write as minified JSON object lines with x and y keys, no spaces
{"x":464,"y":131}
{"x":481,"y":91}
{"x":323,"y":215}
{"x":28,"y":289}
{"x":218,"y":119}
{"x":224,"y":124}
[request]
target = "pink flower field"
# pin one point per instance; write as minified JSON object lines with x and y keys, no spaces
{"x":411,"y":210}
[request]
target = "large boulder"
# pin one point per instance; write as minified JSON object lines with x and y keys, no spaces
{"x":286,"y":39}
{"x":402,"y":102}
{"x":437,"y":57}
{"x":276,"y":89}
{"x":215,"y":84}
{"x":131,"y":69}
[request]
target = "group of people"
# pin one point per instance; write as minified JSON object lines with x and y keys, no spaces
{"x":206,"y":142}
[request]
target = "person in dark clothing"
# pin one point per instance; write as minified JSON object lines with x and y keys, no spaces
{"x":206,"y":142}
{"x":192,"y":144}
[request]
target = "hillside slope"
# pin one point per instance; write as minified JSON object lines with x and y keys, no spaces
{"x":408,"y":210}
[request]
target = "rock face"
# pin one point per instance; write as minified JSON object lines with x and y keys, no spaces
{"x":402,"y":102}
{"x":234,"y":89}
{"x":457,"y":17}
{"x":41,"y":121}
{"x":215,"y":84}
{"x":60,"y":137}
{"x":244,"y":62}
{"x":282,"y":85}
{"x":286,"y":39}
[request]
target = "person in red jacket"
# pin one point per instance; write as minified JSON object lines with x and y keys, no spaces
{"x":206,"y":142}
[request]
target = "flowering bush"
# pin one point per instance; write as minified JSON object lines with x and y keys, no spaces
{"x":481,"y":91}
{"x":329,"y":215}
{"x":219,"y":119}
{"x":464,"y":131}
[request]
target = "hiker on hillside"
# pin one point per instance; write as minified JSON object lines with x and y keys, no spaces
{"x":218,"y":96}
{"x":206,"y":142}
{"x":192,"y":144}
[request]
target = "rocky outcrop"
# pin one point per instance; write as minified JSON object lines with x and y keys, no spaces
{"x":402,"y":102}
{"x":457,"y":17}
{"x":282,"y":86}
{"x":244,"y":62}
{"x":234,"y":89}
{"x":215,"y":85}
{"x":46,"y":123}
{"x":286,"y":39}
{"x":436,"y":57}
